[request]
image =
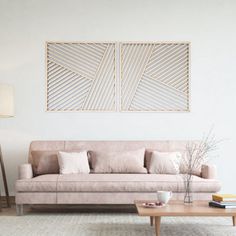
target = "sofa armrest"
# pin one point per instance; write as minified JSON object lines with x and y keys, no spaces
{"x":25,"y":171}
{"x":208,"y":171}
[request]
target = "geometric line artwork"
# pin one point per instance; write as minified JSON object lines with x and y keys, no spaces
{"x":154,"y":77}
{"x":80,"y":76}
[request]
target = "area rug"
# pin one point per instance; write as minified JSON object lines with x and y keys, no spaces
{"x":111,"y":224}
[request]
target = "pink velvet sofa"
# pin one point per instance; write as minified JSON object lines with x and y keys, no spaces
{"x":106,"y":188}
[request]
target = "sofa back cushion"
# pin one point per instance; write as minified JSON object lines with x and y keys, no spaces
{"x":44,"y":162}
{"x":112,"y":146}
{"x":47,"y":162}
{"x":119,"y":162}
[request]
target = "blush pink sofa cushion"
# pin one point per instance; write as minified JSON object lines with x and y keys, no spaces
{"x":41,"y":183}
{"x":45,"y":162}
{"x":113,"y":183}
{"x":119,"y":162}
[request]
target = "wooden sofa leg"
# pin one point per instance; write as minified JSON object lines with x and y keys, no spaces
{"x":19,"y":209}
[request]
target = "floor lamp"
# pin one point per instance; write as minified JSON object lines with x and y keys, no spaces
{"x":6,"y":110}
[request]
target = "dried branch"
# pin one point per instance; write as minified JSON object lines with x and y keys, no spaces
{"x":198,"y":154}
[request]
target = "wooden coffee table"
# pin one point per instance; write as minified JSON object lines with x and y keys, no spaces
{"x":178,"y":208}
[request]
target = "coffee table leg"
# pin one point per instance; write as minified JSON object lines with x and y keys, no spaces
{"x":157,"y":225}
{"x":234,"y":220}
{"x":151,"y":220}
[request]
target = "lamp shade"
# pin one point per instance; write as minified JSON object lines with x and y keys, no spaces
{"x":6,"y":101}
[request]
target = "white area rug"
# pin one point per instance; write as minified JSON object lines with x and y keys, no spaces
{"x":111,"y":224}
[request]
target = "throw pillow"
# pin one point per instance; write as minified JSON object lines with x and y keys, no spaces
{"x":44,"y":162}
{"x":119,"y":162}
{"x":165,"y":163}
{"x":73,"y":162}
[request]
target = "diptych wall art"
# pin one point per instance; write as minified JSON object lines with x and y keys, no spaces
{"x":152,"y":77}
{"x":81,"y":77}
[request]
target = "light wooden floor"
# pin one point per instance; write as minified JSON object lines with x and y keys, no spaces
{"x":8,"y":211}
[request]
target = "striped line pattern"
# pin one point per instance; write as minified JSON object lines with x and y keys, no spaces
{"x":81,"y":77}
{"x":155,"y":77}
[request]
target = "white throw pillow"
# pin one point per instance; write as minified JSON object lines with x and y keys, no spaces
{"x":73,"y":162}
{"x":165,"y":163}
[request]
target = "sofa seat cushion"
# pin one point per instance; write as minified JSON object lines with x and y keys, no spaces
{"x":131,"y":183}
{"x":41,"y":183}
{"x":114,"y":183}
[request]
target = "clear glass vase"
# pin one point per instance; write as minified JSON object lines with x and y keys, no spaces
{"x":188,"y":195}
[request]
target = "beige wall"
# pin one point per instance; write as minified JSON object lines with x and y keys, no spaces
{"x":25,"y":25}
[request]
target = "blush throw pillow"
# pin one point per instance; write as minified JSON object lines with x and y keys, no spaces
{"x":165,"y":163}
{"x":73,"y":162}
{"x":44,"y":162}
{"x":119,"y":162}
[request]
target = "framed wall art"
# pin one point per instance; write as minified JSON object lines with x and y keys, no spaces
{"x":80,"y":76}
{"x":154,"y":77}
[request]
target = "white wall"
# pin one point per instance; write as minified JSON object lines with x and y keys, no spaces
{"x":208,"y":24}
